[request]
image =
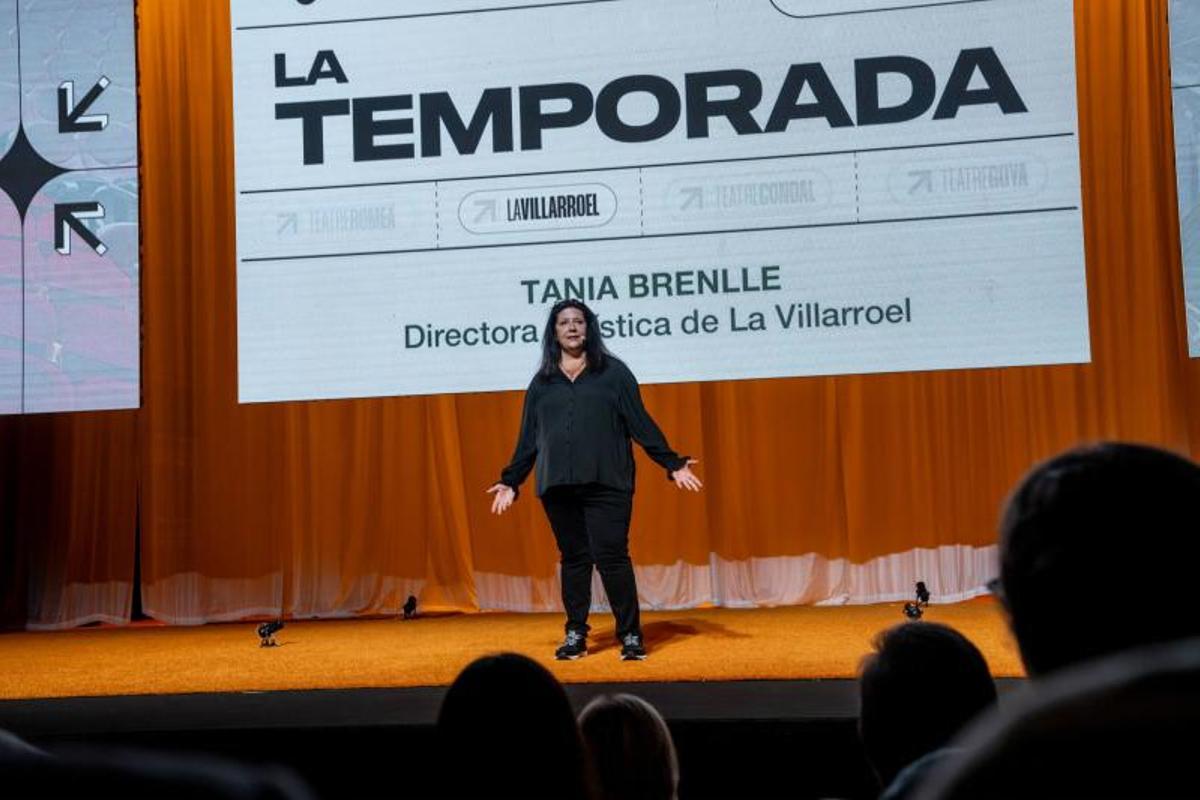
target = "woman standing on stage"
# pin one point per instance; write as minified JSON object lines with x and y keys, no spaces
{"x":581,"y":408}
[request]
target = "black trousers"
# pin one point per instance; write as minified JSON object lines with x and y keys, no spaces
{"x":591,"y":525}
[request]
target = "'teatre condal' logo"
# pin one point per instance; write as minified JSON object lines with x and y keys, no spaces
{"x":518,"y":117}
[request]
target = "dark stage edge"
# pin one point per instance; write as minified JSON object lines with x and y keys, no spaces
{"x":685,"y":701}
{"x":743,"y":739}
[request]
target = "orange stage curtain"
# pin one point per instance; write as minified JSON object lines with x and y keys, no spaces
{"x":342,"y":508}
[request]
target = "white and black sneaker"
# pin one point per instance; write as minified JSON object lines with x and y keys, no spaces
{"x":573,"y":647}
{"x":632,"y":647}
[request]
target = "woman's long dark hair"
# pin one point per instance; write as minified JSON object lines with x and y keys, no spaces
{"x":506,"y":730}
{"x":593,"y":344}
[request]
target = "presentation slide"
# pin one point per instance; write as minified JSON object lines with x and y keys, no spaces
{"x":739,"y":188}
{"x":69,"y":323}
{"x":1185,"y":91}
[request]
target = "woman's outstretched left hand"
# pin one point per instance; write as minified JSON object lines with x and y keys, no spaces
{"x":686,"y":479}
{"x":504,"y":497}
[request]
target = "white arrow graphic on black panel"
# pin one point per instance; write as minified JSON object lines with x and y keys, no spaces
{"x":69,"y":216}
{"x":74,"y":118}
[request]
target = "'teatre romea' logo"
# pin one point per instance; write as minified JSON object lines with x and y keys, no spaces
{"x":518,"y":117}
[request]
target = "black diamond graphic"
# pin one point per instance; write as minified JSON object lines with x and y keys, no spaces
{"x":23,"y":172}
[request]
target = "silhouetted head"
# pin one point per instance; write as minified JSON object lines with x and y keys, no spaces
{"x":1098,"y":553}
{"x":1120,"y":726}
{"x":923,"y":683}
{"x":506,"y":729}
{"x":74,"y":771}
{"x":571,"y":318}
{"x":631,"y":749}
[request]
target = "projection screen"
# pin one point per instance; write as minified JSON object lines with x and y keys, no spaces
{"x":1185,"y":92}
{"x":69,"y":245}
{"x":739,"y":188}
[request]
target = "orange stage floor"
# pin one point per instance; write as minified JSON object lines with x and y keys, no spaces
{"x":792,"y":643}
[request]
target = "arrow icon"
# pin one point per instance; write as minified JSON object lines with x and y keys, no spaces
{"x":291,"y":220}
{"x":693,"y":196}
{"x":74,"y":118}
{"x":924,"y":178}
{"x":69,"y":216}
{"x":487,"y":209}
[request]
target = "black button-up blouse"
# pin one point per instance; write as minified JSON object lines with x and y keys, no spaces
{"x":579,"y":432}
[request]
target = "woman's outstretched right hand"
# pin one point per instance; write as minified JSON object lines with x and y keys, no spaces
{"x":504,"y":497}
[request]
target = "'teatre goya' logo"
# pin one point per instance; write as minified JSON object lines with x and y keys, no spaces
{"x":520,"y":116}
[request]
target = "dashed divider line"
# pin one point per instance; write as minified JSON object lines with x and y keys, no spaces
{"x":642,"y":201}
{"x":857,"y":192}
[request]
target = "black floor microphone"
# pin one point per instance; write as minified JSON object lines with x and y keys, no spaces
{"x":267,"y":631}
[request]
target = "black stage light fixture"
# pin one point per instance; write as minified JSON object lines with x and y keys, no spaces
{"x":917,"y":610}
{"x":922,"y":593}
{"x":267,"y":631}
{"x":410,"y":607}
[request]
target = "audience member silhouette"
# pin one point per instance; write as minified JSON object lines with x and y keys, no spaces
{"x":631,"y":749}
{"x":1098,"y":548}
{"x":1119,"y":726}
{"x":506,"y":729}
{"x":922,"y":685}
{"x":1098,"y":551}
{"x":141,"y":775}
{"x":12,"y":747}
